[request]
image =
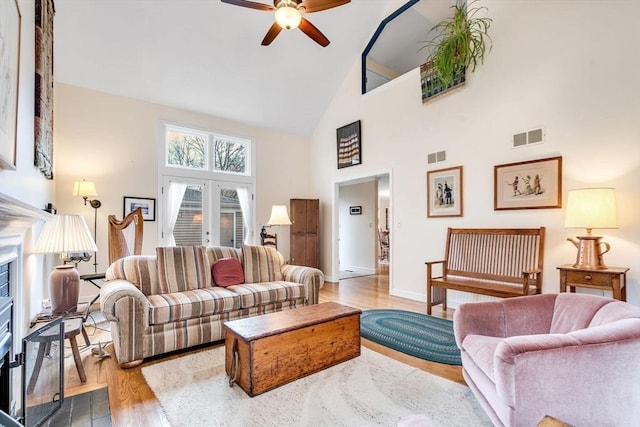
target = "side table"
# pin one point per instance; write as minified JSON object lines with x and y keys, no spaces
{"x":72,"y":328}
{"x":91,"y":278}
{"x":613,"y":279}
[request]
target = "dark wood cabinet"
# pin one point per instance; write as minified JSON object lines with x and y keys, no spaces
{"x":305,"y":244}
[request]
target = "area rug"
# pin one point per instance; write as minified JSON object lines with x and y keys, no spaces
{"x":369,"y":390}
{"x":427,"y":337}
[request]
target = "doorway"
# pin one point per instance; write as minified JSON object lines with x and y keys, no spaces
{"x":362,"y":212}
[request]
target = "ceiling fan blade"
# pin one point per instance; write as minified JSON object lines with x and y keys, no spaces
{"x":309,"y":29}
{"x":318,"y":5}
{"x":271,"y":34}
{"x":250,"y":4}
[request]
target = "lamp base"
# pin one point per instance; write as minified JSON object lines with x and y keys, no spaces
{"x":64,"y":283}
{"x":590,"y":252}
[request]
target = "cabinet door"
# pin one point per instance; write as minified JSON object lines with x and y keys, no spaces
{"x":298,"y":211}
{"x":313,"y":212}
{"x":304,"y":232}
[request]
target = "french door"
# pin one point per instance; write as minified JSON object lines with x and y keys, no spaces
{"x":206,"y":212}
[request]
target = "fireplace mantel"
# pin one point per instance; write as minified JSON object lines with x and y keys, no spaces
{"x":16,"y":216}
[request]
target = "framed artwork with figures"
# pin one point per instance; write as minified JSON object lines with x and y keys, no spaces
{"x":533,"y":184}
{"x":444,"y":192}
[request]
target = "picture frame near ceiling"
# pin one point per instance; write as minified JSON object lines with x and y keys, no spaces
{"x":43,"y":105}
{"x":148,"y":206}
{"x":444,"y":192}
{"x":10,"y":28}
{"x":532,"y":184}
{"x":349,"y":145}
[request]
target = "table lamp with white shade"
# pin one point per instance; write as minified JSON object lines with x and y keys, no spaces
{"x":591,"y":208}
{"x":69,"y":236}
{"x":279,"y":216}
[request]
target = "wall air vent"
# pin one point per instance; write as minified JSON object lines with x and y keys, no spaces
{"x":534,"y":136}
{"x":439,"y":156}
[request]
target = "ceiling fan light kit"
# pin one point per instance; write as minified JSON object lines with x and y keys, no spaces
{"x":288,"y":15}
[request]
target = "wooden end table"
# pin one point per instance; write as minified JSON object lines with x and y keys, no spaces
{"x":613,"y":279}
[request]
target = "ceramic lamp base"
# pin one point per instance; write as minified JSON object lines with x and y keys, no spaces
{"x":64,"y":283}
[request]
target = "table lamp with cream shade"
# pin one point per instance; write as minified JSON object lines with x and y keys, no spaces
{"x":69,"y":236}
{"x":591,"y":208}
{"x":279,"y":216}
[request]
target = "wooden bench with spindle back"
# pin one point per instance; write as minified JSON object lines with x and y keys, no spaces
{"x":499,"y":262}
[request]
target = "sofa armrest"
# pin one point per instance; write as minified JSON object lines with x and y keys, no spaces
{"x":312,"y":278}
{"x":127,"y":308}
{"x":531,"y":372}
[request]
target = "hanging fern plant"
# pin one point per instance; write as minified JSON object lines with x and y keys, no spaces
{"x":458,"y":43}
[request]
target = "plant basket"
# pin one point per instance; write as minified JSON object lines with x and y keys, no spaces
{"x":432,"y":86}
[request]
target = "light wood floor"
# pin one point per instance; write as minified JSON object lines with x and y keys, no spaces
{"x":134,"y":404}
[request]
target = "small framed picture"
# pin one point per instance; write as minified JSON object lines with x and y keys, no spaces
{"x":535,"y":184}
{"x":349,"y":145}
{"x":355,"y":210}
{"x":444,"y":192}
{"x":148,"y":207}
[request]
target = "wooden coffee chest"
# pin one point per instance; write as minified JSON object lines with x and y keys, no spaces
{"x":267,"y":351}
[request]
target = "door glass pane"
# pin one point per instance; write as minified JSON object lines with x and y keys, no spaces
{"x":188,"y":228}
{"x":232,"y":229}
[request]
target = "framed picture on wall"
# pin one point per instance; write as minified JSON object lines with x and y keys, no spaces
{"x":349,"y":145}
{"x":534,"y":184}
{"x":444,"y":192}
{"x":148,"y":207}
{"x":9,"y":72}
{"x":355,"y":210}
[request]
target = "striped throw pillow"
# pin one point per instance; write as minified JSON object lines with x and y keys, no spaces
{"x":182,"y":268}
{"x":261,"y":264}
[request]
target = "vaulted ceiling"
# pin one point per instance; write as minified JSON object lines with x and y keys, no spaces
{"x":205,"y":56}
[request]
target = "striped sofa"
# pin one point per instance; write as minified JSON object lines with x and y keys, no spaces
{"x":157,"y":304}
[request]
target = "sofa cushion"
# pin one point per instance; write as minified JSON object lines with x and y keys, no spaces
{"x":481,"y":349}
{"x":261,"y":264}
{"x":575,"y":311}
{"x":227,"y":272}
{"x":215,"y":253}
{"x":172,"y":307}
{"x":257,"y":294}
{"x":182,"y":268}
{"x":141,"y":270}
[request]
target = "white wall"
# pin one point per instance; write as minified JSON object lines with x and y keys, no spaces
{"x":357,"y":249}
{"x":26,"y":183}
{"x":568,"y":66}
{"x":114,"y":141}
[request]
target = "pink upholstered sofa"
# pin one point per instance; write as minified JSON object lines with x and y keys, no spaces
{"x":574,"y":357}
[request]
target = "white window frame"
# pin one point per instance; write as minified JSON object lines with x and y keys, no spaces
{"x":166,"y":171}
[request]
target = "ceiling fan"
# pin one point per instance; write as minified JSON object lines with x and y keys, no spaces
{"x":288,"y":15}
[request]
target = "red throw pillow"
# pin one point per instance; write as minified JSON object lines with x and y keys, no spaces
{"x":227,"y":272}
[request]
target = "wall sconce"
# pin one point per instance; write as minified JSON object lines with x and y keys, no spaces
{"x":87,"y":189}
{"x":279,"y":216}
{"x":591,"y":208}
{"x":69,"y":236}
